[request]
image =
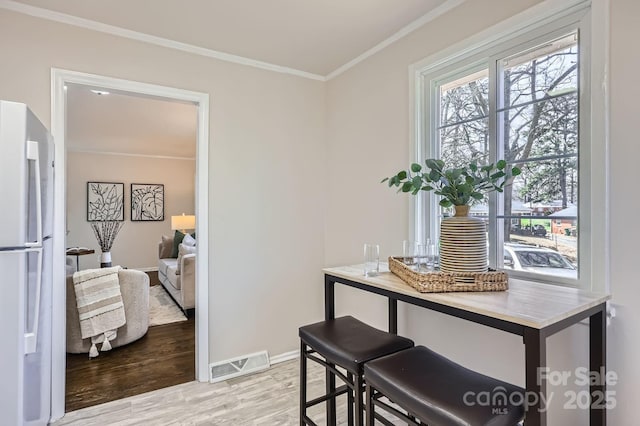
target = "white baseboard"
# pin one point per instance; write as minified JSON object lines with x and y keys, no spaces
{"x":149,"y":269}
{"x":287,"y":356}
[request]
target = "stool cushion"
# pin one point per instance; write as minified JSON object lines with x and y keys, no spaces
{"x":347,"y":342}
{"x":440,"y":392}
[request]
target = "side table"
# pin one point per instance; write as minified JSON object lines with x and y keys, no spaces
{"x":77,"y":252}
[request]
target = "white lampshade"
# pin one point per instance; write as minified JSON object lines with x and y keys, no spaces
{"x":183,"y":222}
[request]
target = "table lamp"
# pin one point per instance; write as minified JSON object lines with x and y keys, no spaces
{"x":183,"y":223}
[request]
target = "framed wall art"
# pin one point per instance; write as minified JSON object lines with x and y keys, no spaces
{"x":147,"y":202}
{"x":105,"y":201}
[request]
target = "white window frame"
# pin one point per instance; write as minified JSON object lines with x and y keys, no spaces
{"x":547,"y":20}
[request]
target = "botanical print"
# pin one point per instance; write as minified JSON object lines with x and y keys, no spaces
{"x":105,"y":201}
{"x":147,"y":202}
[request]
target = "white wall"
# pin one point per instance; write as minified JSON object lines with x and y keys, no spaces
{"x":624,"y":335}
{"x":266,"y":167}
{"x":368,"y":138}
{"x":136,"y":246}
{"x":269,"y":160}
{"x":368,"y":135}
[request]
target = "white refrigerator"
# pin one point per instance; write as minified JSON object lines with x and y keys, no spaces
{"x":26,"y":230}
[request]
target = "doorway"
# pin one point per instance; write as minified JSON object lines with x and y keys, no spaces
{"x":60,"y":78}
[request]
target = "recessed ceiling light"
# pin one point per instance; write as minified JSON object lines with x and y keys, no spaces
{"x":100,"y":92}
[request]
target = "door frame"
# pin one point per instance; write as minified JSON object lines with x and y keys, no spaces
{"x":59,"y":78}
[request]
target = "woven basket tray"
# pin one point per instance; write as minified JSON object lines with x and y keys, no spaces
{"x":442,"y":282}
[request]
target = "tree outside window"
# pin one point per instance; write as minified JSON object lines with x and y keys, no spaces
{"x":535,"y":118}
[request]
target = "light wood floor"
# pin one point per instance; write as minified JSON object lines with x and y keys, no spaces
{"x":266,"y":398}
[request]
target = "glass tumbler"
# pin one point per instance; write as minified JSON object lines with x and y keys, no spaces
{"x":371,"y":260}
{"x":431,"y":257}
{"x":408,"y":252}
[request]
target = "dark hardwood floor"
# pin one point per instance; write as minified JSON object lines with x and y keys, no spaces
{"x":153,"y":278}
{"x":164,"y":357}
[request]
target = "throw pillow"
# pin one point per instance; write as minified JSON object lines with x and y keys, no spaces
{"x":189,"y":240}
{"x":182,"y":250}
{"x":177,"y":239}
{"x":166,"y":248}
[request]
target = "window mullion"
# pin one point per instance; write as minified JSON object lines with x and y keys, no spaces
{"x":422,"y":206}
{"x":495,"y":205}
{"x":434,"y":152}
{"x":427,"y":210}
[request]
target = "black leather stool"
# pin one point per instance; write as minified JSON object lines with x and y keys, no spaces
{"x":439,"y":392}
{"x":348,"y":343}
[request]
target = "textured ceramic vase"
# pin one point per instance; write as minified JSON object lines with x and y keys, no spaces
{"x":105,"y":259}
{"x":463,"y":243}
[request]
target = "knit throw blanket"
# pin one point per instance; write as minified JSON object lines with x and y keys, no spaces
{"x":99,"y":305}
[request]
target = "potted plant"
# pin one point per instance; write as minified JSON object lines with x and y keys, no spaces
{"x":463,"y":246}
{"x":462,"y":186}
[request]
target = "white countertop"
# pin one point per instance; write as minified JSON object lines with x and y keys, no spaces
{"x":526,"y":303}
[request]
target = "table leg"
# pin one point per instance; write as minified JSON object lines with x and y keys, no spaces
{"x":535,"y":359}
{"x":393,"y":316}
{"x":77,"y":262}
{"x":329,"y":299}
{"x":330,"y":379}
{"x":598,"y":364}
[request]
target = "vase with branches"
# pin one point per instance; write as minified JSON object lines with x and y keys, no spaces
{"x":106,"y":208}
{"x":106,"y":232}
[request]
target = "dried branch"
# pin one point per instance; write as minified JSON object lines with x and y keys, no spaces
{"x":106,"y":232}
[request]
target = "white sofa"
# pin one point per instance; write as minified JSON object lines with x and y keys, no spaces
{"x":181,"y":284}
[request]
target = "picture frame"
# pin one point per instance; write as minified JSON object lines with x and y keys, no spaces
{"x":105,"y":201}
{"x":147,"y":202}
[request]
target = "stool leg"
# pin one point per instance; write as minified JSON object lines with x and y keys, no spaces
{"x":303,"y":383}
{"x":330,"y":385}
{"x":358,"y":407}
{"x":369,"y":407}
{"x":350,"y":402}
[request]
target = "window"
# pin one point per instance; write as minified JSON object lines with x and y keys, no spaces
{"x":537,"y":112}
{"x":522,"y":99}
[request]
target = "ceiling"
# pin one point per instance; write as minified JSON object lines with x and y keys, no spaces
{"x":311,"y":36}
{"x":131,"y":124}
{"x":315,"y":37}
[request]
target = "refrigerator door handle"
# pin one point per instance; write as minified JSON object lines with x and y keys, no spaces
{"x":33,"y":155}
{"x":31,"y":336}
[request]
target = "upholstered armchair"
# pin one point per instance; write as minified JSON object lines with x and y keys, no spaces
{"x":134,"y":287}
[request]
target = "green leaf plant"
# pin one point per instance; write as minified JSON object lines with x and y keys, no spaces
{"x":458,"y":186}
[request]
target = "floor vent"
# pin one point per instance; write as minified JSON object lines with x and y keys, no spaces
{"x":240,"y":366}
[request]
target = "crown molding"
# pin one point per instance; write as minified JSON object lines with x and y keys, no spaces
{"x":125,"y":154}
{"x":64,"y":18}
{"x":428,"y":17}
{"x":89,"y":24}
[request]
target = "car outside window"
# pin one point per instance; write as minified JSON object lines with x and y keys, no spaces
{"x":536,"y":259}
